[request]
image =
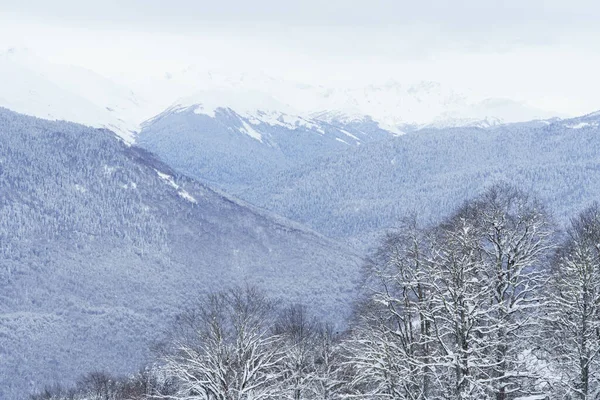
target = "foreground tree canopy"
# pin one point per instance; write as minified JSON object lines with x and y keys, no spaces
{"x":492,"y":303}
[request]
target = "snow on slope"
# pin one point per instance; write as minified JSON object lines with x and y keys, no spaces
{"x":244,"y":102}
{"x":33,"y":86}
{"x":392,"y":105}
{"x":423,"y":104}
{"x":254,"y":106}
{"x":36,"y":87}
{"x":587,"y":121}
{"x":103,"y":255}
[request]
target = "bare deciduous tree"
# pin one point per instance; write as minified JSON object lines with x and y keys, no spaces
{"x":298,"y":332}
{"x":515,"y":241}
{"x":391,"y":345}
{"x":458,"y":300}
{"x":329,"y":379}
{"x":574,"y":320}
{"x":232,"y":356}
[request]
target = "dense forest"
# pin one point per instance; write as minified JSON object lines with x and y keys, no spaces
{"x":494,"y":302}
{"x":310,"y":200}
{"x":355,"y":195}
{"x":354,"y":192}
{"x":231,"y":150}
{"x":101,"y":244}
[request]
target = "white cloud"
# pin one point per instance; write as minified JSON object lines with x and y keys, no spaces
{"x":542,"y":52}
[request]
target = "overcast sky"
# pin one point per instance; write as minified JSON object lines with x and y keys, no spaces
{"x":544,"y":52}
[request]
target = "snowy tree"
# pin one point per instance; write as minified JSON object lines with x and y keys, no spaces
{"x":391,"y":346}
{"x":452,"y":309}
{"x":231,"y":355}
{"x":574,"y":323}
{"x":298,"y":333}
{"x":488,"y":281}
{"x":329,"y":376}
{"x":460,"y":298}
{"x":515,"y":241}
{"x":380,"y":368}
{"x":312,"y":367}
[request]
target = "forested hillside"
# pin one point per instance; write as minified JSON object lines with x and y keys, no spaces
{"x":101,"y":244}
{"x":494,"y":302}
{"x":358,"y":193}
{"x":299,"y":200}
{"x":351,"y":182}
{"x":232,"y":149}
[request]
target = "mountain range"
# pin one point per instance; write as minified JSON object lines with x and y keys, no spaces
{"x":357,"y":191}
{"x":102,"y":245}
{"x":38,"y":87}
{"x":122,"y":205}
{"x":358,"y":194}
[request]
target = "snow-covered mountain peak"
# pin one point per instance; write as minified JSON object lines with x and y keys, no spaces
{"x":392,"y":103}
{"x":394,"y":106}
{"x":246,"y":102}
{"x":488,"y":113}
{"x":37,"y":87}
{"x":339,"y":116}
{"x":34,"y":86}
